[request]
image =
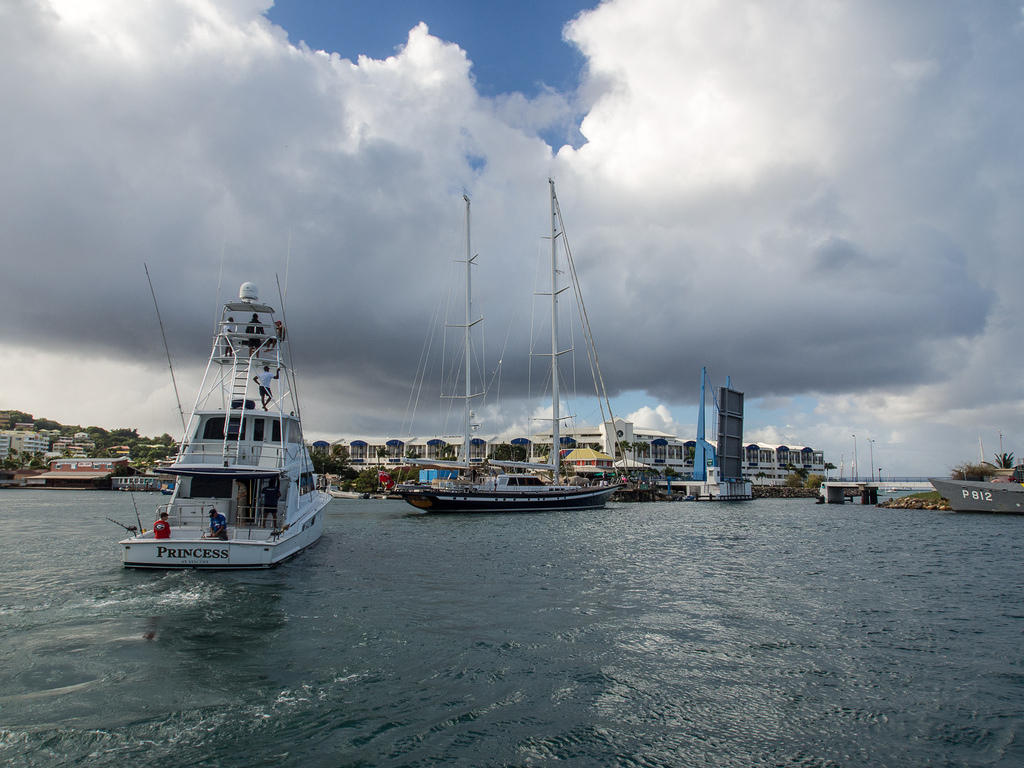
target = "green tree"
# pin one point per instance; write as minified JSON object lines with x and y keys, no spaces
{"x":122,"y":470}
{"x":503,"y":452}
{"x":800,"y":472}
{"x":330,"y":464}
{"x":814,"y":481}
{"x":1004,"y":460}
{"x":969,"y":471}
{"x":793,"y":480}
{"x":366,"y":481}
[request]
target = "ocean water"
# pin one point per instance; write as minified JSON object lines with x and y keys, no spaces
{"x":767,"y":633}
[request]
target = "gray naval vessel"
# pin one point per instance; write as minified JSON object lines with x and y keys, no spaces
{"x":975,"y":496}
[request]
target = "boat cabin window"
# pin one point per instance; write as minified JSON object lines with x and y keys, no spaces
{"x":294,"y":432}
{"x":214,"y":428}
{"x":525,"y":480}
{"x":209,"y":487}
{"x":257,"y":430}
{"x":275,"y":432}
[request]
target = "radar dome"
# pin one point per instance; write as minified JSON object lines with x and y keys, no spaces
{"x":248,"y":292}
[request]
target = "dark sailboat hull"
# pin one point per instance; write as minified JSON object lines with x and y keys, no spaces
{"x":973,"y":496}
{"x":475,"y":500}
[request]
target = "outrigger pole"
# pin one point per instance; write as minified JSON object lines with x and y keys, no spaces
{"x":167,"y":350}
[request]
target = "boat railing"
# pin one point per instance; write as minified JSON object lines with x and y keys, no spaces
{"x":245,"y":522}
{"x":249,"y":454}
{"x":231,"y":343}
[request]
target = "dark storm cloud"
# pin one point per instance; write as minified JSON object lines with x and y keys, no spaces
{"x":835,"y":212}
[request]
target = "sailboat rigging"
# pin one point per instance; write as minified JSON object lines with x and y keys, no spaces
{"x":514,"y":492}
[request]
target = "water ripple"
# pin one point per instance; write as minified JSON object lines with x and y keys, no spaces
{"x":765,"y":634}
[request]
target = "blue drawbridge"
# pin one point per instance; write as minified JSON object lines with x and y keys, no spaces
{"x":703,"y":452}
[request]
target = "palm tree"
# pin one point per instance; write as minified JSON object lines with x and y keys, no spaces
{"x":828,"y":466}
{"x":1004,"y":460}
{"x":382,"y":453}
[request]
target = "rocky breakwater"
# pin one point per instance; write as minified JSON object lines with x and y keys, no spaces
{"x":783,"y":492}
{"x":936,"y":503}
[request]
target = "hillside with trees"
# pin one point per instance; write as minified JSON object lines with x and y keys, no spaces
{"x":144,"y":451}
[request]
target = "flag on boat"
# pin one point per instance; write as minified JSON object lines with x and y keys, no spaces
{"x":385,"y":479}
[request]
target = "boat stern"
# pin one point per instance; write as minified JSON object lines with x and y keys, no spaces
{"x":141,"y":552}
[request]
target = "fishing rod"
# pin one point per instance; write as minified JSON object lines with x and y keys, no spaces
{"x":129,"y":528}
{"x":166,"y":348}
{"x":139,"y":519}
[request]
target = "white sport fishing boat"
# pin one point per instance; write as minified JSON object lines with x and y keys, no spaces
{"x":236,"y":456}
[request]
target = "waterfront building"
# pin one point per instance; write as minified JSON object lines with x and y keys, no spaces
{"x":78,"y":473}
{"x":148,"y":482}
{"x":627,"y":443}
{"x":23,"y":441}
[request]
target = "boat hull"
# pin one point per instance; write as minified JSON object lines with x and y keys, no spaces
{"x":973,"y":496}
{"x":475,"y":500}
{"x":214,"y":554}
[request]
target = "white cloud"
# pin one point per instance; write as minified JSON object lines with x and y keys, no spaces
{"x":660,"y":418}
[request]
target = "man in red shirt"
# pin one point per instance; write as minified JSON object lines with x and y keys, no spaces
{"x":162,"y":528}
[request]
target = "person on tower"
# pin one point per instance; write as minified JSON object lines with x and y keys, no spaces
{"x":263,"y":380}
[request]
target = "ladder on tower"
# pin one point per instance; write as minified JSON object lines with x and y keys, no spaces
{"x":241,"y":373}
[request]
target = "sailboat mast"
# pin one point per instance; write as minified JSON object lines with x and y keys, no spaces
{"x":469,"y":308}
{"x":555,"y":437}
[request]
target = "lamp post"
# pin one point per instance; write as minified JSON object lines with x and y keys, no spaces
{"x":871,"y":447}
{"x":855,"y":462}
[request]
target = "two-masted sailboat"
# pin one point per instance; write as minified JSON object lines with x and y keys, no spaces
{"x":507,"y":492}
{"x":245,"y":495}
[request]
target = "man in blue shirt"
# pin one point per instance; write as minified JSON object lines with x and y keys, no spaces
{"x":271,"y":495}
{"x":218,"y":526}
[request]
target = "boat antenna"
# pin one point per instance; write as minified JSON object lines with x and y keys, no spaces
{"x":291,"y":357}
{"x":167,"y":349}
{"x":220,"y":278}
{"x":291,"y":361}
{"x":287,"y":264}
